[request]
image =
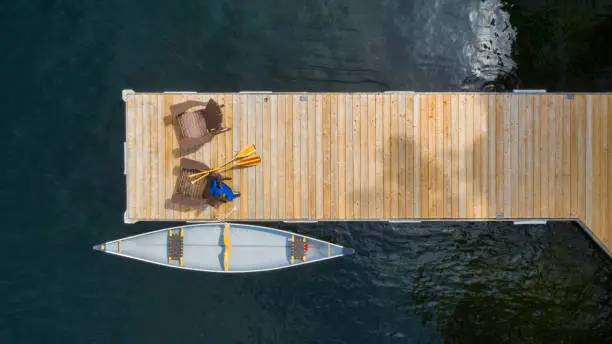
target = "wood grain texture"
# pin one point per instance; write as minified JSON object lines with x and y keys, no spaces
{"x":386,"y":156}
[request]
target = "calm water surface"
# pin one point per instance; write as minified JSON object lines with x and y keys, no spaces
{"x":64,"y":64}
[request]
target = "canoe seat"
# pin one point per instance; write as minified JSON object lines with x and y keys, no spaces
{"x":299,"y":247}
{"x":175,"y":246}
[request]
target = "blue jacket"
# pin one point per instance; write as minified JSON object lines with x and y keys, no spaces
{"x":220,"y":188}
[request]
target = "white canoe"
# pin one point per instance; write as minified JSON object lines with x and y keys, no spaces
{"x":224,"y":247}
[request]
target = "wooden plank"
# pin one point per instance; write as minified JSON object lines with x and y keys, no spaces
{"x":417,"y":157}
{"x":400,"y":188}
{"x":341,"y":148}
{"x":304,"y":164}
{"x":552,"y":146}
{"x":574,"y":156}
{"x":326,"y":131}
{"x":603,"y":205}
{"x":395,"y":143}
{"x":446,"y":148}
{"x":379,"y":157}
{"x":315,"y":199}
{"x":582,"y":155}
{"x":592,"y":162}
{"x":365,"y":161}
{"x":425,"y":185}
{"x":266,"y":165}
{"x":492,"y":156}
{"x":514,"y":163}
{"x":558,"y":115}
{"x":521,"y":151}
{"x":606,"y":227}
{"x":169,"y":144}
{"x":484,"y":151}
{"x":469,"y":157}
{"x":214,"y":161}
{"x":566,"y":136}
{"x":431,"y":162}
{"x":544,"y":155}
{"x":159,"y":150}
{"x":477,"y":157}
{"x":456,"y":151}
{"x":387,"y":143}
{"x":529,"y":194}
{"x":507,"y":160}
{"x":371,"y":143}
{"x":350,"y":158}
{"x":145,"y":157}
{"x":130,"y":151}
{"x":608,"y":220}
{"x":536,"y":153}
{"x":203,"y":154}
{"x":298,"y":211}
{"x":410,"y":163}
{"x":230,"y":101}
{"x":289,"y":165}
{"x":240,"y":177}
{"x":357,"y":157}
{"x":598,"y":142}
{"x":138,"y":151}
{"x":461,"y":127}
{"x":333,"y":147}
{"x":280,"y":145}
{"x":500,"y":175}
{"x":439,"y":162}
{"x":274,"y":143}
{"x":251,"y":173}
{"x":155,"y":119}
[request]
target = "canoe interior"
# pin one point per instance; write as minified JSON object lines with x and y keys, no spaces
{"x":253,"y":248}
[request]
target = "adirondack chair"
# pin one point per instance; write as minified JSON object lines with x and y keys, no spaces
{"x":195,"y":195}
{"x":195,"y":128}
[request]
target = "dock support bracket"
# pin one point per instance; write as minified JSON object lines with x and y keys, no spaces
{"x":530,"y":222}
{"x":126,"y":93}
{"x":128,"y":220}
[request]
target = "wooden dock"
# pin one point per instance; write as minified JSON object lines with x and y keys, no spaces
{"x":387,"y":156}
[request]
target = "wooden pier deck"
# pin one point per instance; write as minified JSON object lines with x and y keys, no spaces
{"x":387,"y":156}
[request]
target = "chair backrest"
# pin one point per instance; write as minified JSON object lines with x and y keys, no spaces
{"x":212,"y":115}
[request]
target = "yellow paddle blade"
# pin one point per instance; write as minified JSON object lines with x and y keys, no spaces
{"x":252,"y":161}
{"x":243,"y":153}
{"x":246,"y":151}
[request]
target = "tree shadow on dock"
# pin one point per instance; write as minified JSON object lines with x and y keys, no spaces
{"x":429,"y":174}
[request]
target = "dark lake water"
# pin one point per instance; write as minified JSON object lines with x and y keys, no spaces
{"x":63,"y":65}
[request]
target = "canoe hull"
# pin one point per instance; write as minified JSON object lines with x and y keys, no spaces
{"x":223,"y":248}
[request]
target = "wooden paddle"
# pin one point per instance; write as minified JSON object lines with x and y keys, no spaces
{"x":243,"y":153}
{"x":251,"y":161}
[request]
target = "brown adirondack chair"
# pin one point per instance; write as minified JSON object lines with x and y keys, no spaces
{"x":195,"y":128}
{"x":195,"y":195}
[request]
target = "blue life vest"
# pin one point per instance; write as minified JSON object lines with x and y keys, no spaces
{"x":219,"y":188}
